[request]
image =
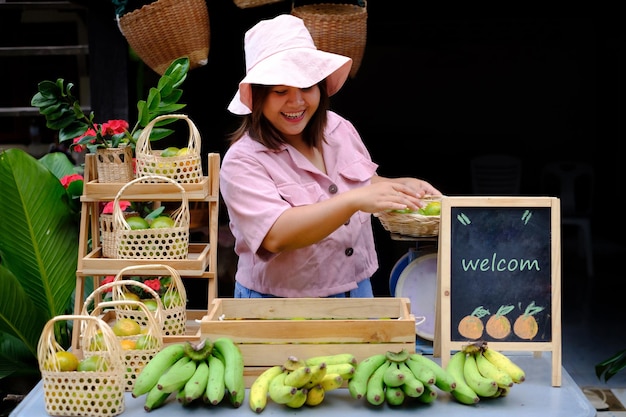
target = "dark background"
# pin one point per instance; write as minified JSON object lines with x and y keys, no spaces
{"x":430,"y":94}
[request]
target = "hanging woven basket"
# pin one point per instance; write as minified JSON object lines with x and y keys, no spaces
{"x":165,"y":30}
{"x":337,"y":28}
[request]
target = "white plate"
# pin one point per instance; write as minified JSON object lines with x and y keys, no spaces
{"x":418,"y":283}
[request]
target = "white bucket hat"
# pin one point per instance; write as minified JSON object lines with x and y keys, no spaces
{"x":281,"y":51}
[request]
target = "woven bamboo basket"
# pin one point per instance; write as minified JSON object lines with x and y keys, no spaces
{"x":411,"y":224}
{"x":98,"y":393}
{"x":165,"y":30}
{"x":151,"y":324}
{"x":115,"y":164}
{"x":337,"y":28}
{"x":164,"y":243}
{"x":245,"y":4}
{"x":181,"y":168}
{"x":174,"y":313}
{"x":107,"y":233}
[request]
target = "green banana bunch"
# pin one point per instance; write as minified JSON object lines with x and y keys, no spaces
{"x":299,"y":382}
{"x":233,"y":369}
{"x":189,"y":372}
{"x":395,"y":377}
{"x":481,"y":372}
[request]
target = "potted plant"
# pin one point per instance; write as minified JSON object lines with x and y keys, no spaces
{"x":112,"y":139}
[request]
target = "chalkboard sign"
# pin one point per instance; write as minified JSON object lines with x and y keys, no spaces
{"x":499,"y":275}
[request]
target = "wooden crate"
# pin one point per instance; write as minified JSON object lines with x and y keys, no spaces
{"x":268,"y":330}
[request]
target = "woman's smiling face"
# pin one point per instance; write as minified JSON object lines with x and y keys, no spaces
{"x":289,"y":109}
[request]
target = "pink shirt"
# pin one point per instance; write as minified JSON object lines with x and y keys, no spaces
{"x":258,"y":184}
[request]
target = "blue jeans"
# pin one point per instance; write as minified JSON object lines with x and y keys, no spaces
{"x":364,"y":290}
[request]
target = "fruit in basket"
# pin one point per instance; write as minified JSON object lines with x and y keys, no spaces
{"x":93,"y":363}
{"x":171,"y":299}
{"x":137,"y":223}
{"x":67,"y":361}
{"x":145,"y":342}
{"x":126,"y":327}
{"x":162,"y":222}
{"x":130,"y":296}
{"x":128,"y":344}
{"x":150,"y":304}
{"x":182,"y":151}
{"x":431,"y":209}
{"x":169,"y":152}
{"x":97,"y":342}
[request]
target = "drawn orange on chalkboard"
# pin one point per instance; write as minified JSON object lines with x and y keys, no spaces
{"x":472,"y":326}
{"x":525,"y":326}
{"x":498,"y":326}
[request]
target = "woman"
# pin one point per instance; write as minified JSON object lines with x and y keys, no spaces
{"x":297,"y":181}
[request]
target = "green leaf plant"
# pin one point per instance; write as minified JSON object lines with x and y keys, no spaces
{"x":611,"y":366}
{"x":63,"y":112}
{"x":38,"y":255}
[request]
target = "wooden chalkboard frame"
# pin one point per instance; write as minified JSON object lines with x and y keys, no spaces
{"x":444,"y":343}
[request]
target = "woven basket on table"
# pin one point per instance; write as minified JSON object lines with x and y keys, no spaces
{"x":97,"y":393}
{"x":181,"y":168}
{"x":151,"y":324}
{"x":245,"y":4}
{"x":411,"y":224}
{"x":174,"y":314}
{"x":337,"y":28}
{"x":163,"y":243}
{"x":165,"y":30}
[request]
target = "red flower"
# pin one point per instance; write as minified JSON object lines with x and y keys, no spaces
{"x":154,"y":284}
{"x":113,"y":127}
{"x":108,"y":208}
{"x":68,"y":179}
{"x":106,"y":280}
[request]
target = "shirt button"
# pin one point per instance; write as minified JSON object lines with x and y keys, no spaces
{"x":349,"y":252}
{"x":332,"y":189}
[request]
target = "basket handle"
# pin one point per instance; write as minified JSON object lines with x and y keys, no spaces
{"x":173,"y":272}
{"x":48,"y":346}
{"x":118,"y":215}
{"x":117,"y":286}
{"x":143,"y":142}
{"x":155,"y":321}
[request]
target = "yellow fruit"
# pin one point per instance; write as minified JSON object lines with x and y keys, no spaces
{"x":97,"y":342}
{"x":128,"y":344}
{"x":431,"y":209}
{"x":162,"y":222}
{"x":168,"y":152}
{"x":127,"y":295}
{"x":126,"y":327}
{"x":93,"y":363}
{"x":182,"y":151}
{"x":67,"y":361}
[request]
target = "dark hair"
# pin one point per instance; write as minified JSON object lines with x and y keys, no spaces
{"x":262,"y":131}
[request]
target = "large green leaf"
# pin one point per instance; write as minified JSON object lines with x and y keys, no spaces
{"x":19,"y":316}
{"x":38,"y":245}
